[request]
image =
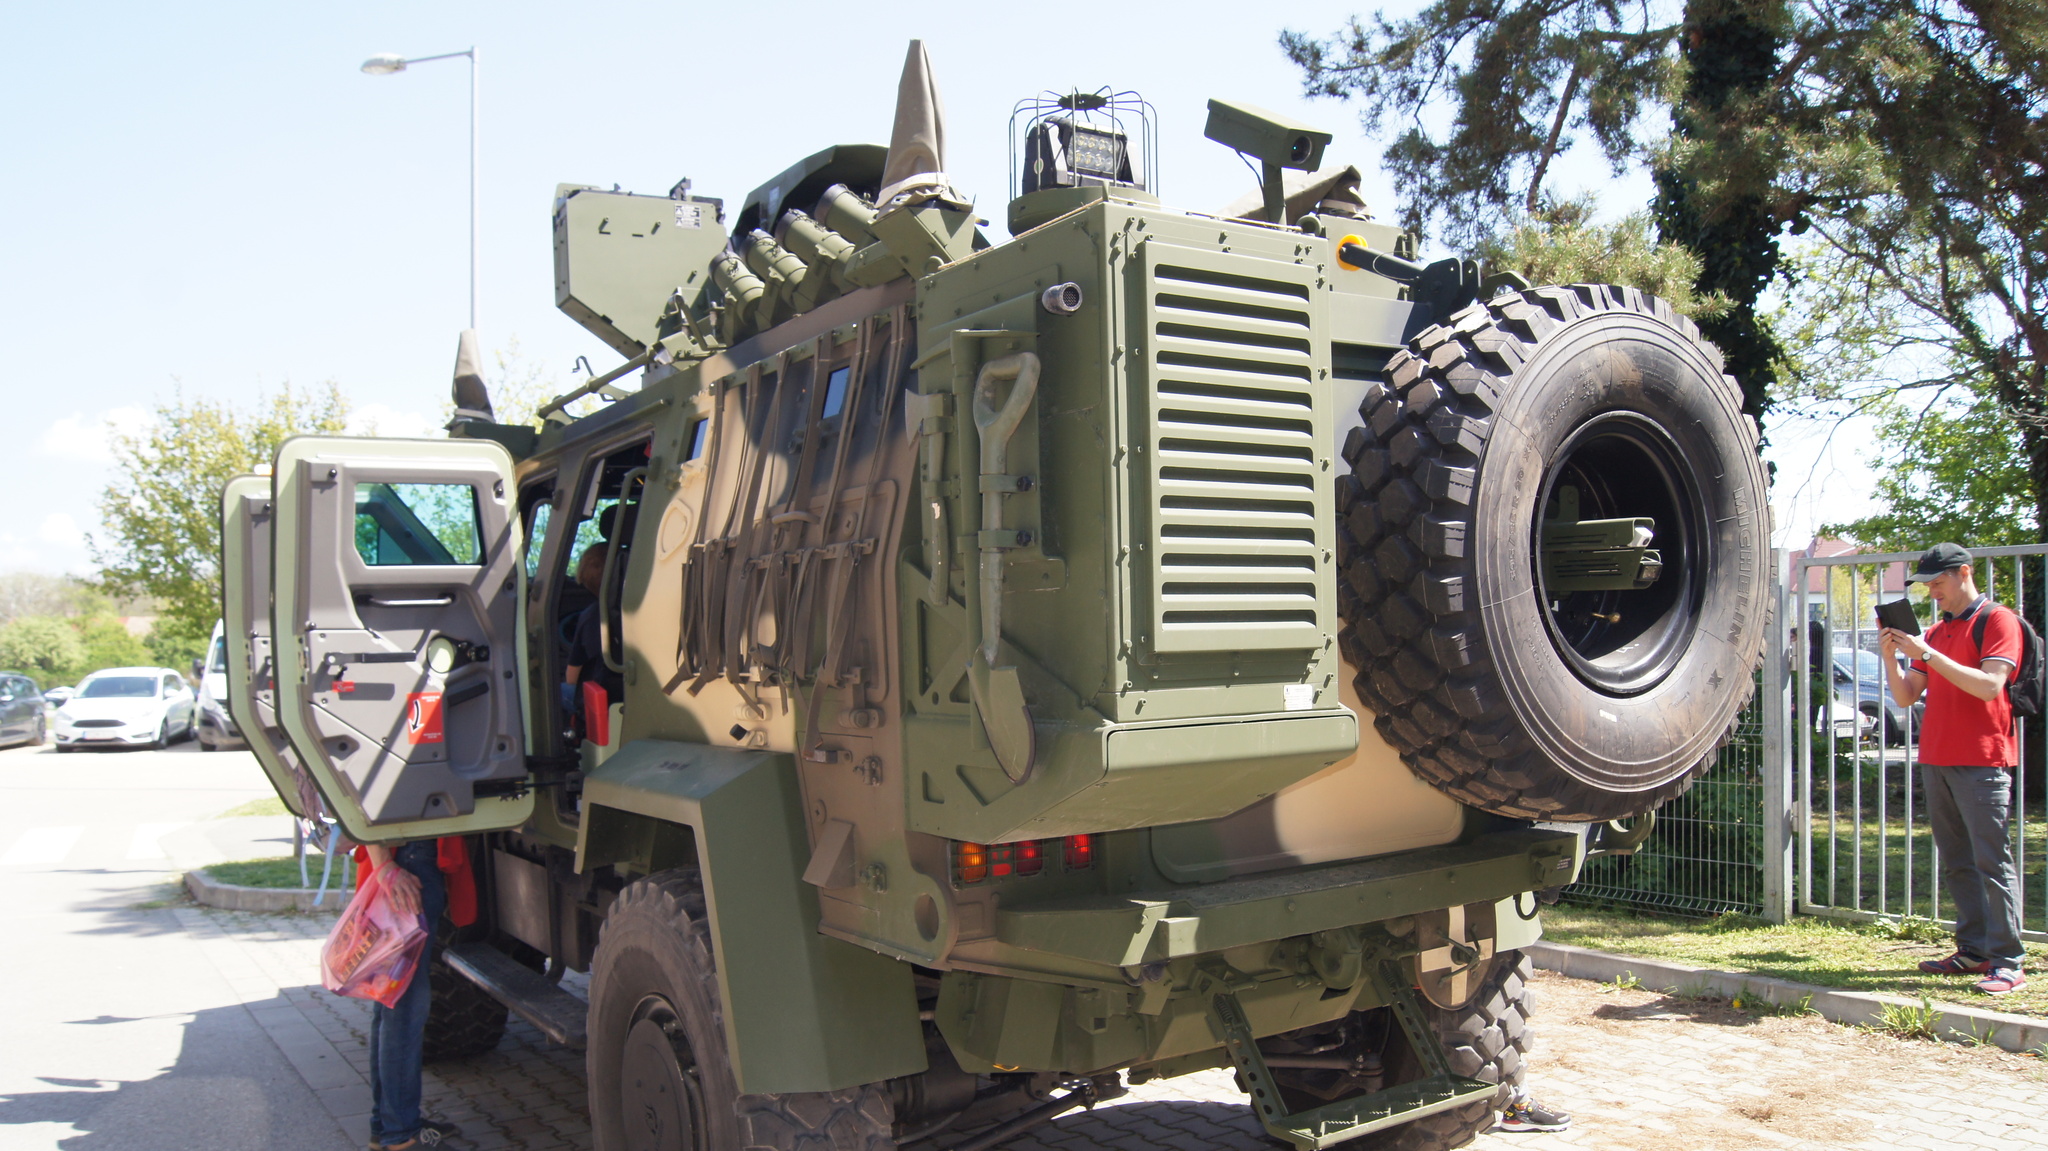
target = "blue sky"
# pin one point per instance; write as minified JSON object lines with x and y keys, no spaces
{"x":213,"y":198}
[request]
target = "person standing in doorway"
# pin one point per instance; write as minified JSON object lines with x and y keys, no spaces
{"x":1966,"y":755}
{"x":398,"y":1032}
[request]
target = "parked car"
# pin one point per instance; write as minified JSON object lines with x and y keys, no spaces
{"x":127,"y":707}
{"x":56,"y":696}
{"x":1859,"y":674}
{"x":21,"y":710}
{"x":216,"y":727}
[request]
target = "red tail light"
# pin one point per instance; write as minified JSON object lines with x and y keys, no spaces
{"x":976,"y":862}
{"x":1080,"y":852}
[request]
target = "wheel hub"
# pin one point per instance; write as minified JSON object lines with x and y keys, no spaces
{"x":657,"y":1083}
{"x":1624,"y":633}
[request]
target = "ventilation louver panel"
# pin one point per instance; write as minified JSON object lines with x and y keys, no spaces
{"x":1239,"y":426}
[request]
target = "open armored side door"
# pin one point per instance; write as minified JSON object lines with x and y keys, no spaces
{"x":395,"y":604}
{"x":245,"y":522}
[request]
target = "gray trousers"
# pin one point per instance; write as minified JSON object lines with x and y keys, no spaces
{"x":1970,"y":811}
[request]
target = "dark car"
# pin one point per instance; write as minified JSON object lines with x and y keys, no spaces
{"x":1861,"y":674}
{"x":21,"y":710}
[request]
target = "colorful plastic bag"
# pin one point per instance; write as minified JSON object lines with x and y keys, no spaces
{"x":374,"y":949}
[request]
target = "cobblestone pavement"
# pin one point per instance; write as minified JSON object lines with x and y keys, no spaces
{"x":1639,"y":1070}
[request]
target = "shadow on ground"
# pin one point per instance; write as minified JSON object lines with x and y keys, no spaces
{"x":227,"y":1091}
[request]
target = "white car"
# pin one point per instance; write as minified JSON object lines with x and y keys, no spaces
{"x":127,"y":707}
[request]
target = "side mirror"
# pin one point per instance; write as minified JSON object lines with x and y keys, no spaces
{"x":198,"y":666}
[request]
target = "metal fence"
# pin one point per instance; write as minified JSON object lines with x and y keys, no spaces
{"x":1706,"y":855}
{"x":1864,"y":849}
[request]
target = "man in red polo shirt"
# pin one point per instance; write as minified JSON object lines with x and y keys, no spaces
{"x":1965,"y":754}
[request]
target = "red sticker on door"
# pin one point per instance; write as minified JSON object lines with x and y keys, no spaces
{"x":423,"y":717}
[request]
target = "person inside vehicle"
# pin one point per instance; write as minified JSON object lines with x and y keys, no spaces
{"x":586,"y":652}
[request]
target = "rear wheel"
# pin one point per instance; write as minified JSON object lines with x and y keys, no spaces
{"x":659,"y":1075}
{"x":1486,"y":1040}
{"x":1522,"y":680}
{"x":462,"y":1018}
{"x":42,"y":734}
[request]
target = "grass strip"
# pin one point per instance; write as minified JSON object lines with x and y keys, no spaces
{"x":1880,"y":957}
{"x":282,"y":872}
{"x":268,"y":805}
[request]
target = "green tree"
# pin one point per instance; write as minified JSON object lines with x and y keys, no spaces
{"x":1925,"y":170}
{"x":161,"y":513}
{"x":1525,"y":79}
{"x":47,"y":648}
{"x":106,"y":643}
{"x":1562,"y":244}
{"x":1724,"y":116}
{"x":1960,"y":473}
{"x":1521,"y":82}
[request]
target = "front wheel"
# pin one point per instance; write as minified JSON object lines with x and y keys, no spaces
{"x":42,"y":733}
{"x":660,"y":1078}
{"x":163,"y":736}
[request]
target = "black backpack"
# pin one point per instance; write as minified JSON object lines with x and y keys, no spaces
{"x":2028,"y":687}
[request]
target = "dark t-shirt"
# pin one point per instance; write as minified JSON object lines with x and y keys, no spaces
{"x":1962,"y":730}
{"x":586,"y":651}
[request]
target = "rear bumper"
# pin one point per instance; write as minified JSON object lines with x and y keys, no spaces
{"x":1153,"y":926}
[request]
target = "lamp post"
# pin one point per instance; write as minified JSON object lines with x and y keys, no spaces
{"x":385,"y":64}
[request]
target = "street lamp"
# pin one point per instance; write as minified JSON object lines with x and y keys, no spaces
{"x":386,"y":63}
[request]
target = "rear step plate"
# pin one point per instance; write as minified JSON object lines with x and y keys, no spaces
{"x":558,"y":1014}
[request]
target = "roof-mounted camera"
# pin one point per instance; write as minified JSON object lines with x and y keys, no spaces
{"x":1275,"y":141}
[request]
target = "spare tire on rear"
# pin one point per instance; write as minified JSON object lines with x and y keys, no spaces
{"x":1503,"y":682}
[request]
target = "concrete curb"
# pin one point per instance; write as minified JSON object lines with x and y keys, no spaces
{"x":233,"y":897}
{"x":1955,"y":1024}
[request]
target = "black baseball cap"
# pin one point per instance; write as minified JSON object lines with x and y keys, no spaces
{"x":1936,"y":560}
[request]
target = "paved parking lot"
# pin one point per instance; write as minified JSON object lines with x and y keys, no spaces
{"x":1640,"y":1070}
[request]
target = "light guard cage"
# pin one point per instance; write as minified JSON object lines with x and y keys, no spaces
{"x":1083,"y":138}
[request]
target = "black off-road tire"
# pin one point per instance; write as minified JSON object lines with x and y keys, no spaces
{"x":462,"y":1018}
{"x":1518,"y":701}
{"x":1487,"y":1039}
{"x":654,"y":989}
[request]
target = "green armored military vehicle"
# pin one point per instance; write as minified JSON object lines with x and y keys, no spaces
{"x":1159,"y":641}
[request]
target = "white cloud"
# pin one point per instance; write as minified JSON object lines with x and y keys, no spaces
{"x":385,"y":420}
{"x":60,"y":528}
{"x":82,"y":437}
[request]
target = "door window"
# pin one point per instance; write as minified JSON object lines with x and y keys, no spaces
{"x":536,"y":535}
{"x":417,"y":524}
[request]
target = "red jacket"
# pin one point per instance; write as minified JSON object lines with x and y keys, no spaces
{"x":451,"y":852}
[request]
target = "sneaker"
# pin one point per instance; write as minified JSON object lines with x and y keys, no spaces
{"x":1525,"y":1114}
{"x":1957,"y":964}
{"x":432,"y":1133}
{"x":2001,"y":981}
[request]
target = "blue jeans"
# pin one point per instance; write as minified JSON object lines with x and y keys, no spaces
{"x":1970,"y":812}
{"x":397,"y":1033}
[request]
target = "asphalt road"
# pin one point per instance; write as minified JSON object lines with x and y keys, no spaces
{"x":120,"y":1034}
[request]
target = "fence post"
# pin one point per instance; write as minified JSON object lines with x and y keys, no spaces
{"x":1776,"y":705}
